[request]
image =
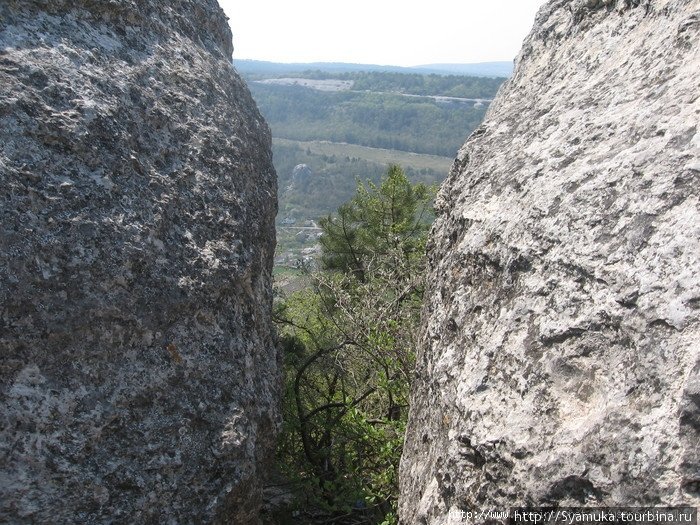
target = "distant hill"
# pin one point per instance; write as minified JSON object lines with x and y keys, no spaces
{"x":334,"y":124}
{"x":376,"y":118}
{"x":484,"y":69}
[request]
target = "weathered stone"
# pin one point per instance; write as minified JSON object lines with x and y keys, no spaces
{"x":560,"y":352}
{"x":139,"y":376}
{"x":301,"y":176}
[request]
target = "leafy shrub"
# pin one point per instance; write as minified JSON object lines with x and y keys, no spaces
{"x":349,"y":345}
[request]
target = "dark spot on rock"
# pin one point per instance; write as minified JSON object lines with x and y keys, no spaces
{"x":452,"y":325}
{"x":520,"y":264}
{"x":573,"y":487}
{"x":662,"y":323}
{"x":691,"y":487}
{"x":569,"y":333}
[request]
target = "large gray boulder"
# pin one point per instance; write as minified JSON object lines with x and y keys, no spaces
{"x":560,"y":350}
{"x":139,"y":379}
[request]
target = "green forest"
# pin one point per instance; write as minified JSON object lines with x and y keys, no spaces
{"x":380,"y":120}
{"x":416,"y":84}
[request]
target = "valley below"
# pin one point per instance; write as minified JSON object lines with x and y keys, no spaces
{"x":334,"y":129}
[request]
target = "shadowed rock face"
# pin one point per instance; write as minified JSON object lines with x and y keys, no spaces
{"x":139,"y":377}
{"x":559,"y":360}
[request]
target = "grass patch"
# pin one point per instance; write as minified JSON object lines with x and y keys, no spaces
{"x":381,"y":156}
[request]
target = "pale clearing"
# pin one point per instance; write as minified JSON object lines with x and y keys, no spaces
{"x":378,"y":155}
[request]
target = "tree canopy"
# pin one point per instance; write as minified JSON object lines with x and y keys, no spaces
{"x":379,"y":224}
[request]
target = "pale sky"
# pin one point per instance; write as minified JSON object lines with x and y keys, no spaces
{"x":386,"y":32}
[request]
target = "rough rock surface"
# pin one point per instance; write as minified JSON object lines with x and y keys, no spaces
{"x":560,"y":353}
{"x":139,"y":376}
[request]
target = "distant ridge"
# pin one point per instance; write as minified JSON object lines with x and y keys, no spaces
{"x":483,"y":69}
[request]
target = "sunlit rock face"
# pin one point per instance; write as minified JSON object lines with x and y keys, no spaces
{"x":559,"y":358}
{"x":139,"y":378}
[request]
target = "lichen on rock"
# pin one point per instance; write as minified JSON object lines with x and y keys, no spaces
{"x":559,"y":357}
{"x":139,"y":378}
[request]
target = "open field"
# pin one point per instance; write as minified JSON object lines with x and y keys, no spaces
{"x":378,"y":155}
{"x":312,"y":83}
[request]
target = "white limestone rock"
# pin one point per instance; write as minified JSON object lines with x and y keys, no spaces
{"x":560,"y":352}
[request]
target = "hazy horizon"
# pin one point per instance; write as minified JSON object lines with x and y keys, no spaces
{"x":367,"y":63}
{"x":381,"y":33}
